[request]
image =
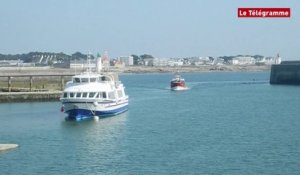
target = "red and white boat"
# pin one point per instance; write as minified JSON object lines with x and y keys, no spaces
{"x":178,"y":83}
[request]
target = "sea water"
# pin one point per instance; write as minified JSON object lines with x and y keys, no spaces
{"x":226,"y":123}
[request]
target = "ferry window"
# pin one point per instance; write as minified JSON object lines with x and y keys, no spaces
{"x":92,"y":94}
{"x":93,"y":80}
{"x":65,"y":95}
{"x":78,"y":95}
{"x":120,"y":94}
{"x":77,"y":80}
{"x":101,"y":94}
{"x":84,"y":80}
{"x":71,"y":94}
{"x":104,"y":94}
{"x":84,"y":95}
{"x":111,"y":95}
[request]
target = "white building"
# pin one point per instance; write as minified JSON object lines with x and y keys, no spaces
{"x":277,"y":59}
{"x":270,"y":60}
{"x":218,"y":61}
{"x":175,"y":62}
{"x":148,"y":61}
{"x":127,"y":60}
{"x":8,"y":63}
{"x":160,"y":61}
{"x":243,"y":60}
{"x":167,"y":62}
{"x":202,"y":61}
{"x":83,"y":64}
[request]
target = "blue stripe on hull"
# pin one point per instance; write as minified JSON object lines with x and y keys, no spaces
{"x":82,"y":114}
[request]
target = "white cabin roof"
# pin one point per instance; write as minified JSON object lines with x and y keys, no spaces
{"x":89,"y":87}
{"x":86,"y":75}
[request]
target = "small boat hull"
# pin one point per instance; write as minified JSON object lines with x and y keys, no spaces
{"x":178,"y":84}
{"x":179,"y":88}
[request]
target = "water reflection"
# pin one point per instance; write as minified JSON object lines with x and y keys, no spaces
{"x":92,"y":142}
{"x":95,"y":128}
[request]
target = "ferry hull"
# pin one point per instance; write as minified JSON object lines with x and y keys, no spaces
{"x":85,"y":111}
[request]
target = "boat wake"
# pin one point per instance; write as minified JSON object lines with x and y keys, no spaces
{"x":224,"y":83}
{"x":192,"y":85}
{"x":152,"y":88}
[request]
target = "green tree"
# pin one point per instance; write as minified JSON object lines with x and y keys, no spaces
{"x":144,"y":56}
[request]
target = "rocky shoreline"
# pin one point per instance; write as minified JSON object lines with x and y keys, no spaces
{"x":134,"y":69}
{"x":187,"y":69}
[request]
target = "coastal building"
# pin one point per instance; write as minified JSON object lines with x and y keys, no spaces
{"x":191,"y":61}
{"x":105,"y":61}
{"x":127,"y":60}
{"x":270,"y":60}
{"x":218,"y":61}
{"x":45,"y":59}
{"x":10,"y":63}
{"x":83,"y":64}
{"x":15,"y":63}
{"x":117,"y":63}
{"x":160,"y":61}
{"x":148,"y":61}
{"x":186,"y":62}
{"x":202,"y":61}
{"x":168,"y":62}
{"x":243,"y":60}
{"x":266,"y":61}
{"x":278,"y":59}
{"x":175,"y":62}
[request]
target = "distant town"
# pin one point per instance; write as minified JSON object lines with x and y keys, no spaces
{"x":79,"y":60}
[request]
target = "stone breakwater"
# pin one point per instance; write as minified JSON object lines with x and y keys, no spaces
{"x":288,"y":72}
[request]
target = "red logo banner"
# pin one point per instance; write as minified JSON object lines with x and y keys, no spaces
{"x":264,"y":12}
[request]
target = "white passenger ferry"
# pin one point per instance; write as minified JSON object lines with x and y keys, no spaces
{"x":93,"y":95}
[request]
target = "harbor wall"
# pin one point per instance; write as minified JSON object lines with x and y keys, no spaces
{"x":32,"y":87}
{"x":29,"y":96}
{"x":286,"y":73}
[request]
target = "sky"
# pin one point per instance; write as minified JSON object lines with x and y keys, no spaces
{"x":162,"y":28}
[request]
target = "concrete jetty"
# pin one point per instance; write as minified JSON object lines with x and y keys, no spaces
{"x":4,"y":147}
{"x":12,"y":93}
{"x":32,"y":76}
{"x":288,"y":72}
{"x":29,"y":96}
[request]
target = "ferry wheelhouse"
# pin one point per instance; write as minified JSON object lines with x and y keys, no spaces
{"x":91,"y":95}
{"x":178,"y":83}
